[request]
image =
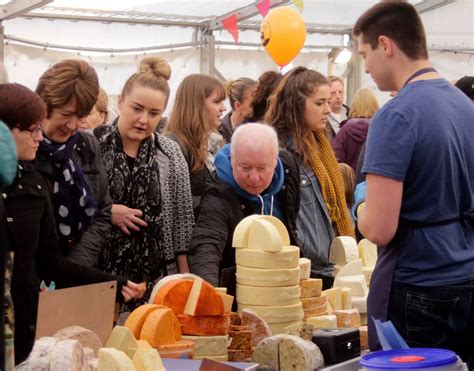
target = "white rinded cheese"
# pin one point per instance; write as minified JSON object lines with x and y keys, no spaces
{"x":368,"y":253}
{"x":277,"y":314}
{"x":148,"y":360}
{"x":305,"y":268}
{"x":113,"y":359}
{"x":356,"y":283}
{"x":360,"y":303}
{"x":346,"y":295}
{"x":267,"y":277}
{"x":343,"y":250}
{"x":122,"y":339}
{"x":191,"y":303}
{"x":263,"y":235}
{"x":327,"y":321}
{"x":288,"y":257}
{"x":255,"y":295}
{"x":334,"y":298}
{"x":67,"y":355}
{"x":350,"y":269}
{"x":86,"y":337}
{"x":208,"y":345}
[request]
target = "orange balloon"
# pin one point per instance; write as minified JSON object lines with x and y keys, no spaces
{"x":283,"y":34}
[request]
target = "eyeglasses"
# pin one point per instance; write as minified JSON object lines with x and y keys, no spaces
{"x":37,"y":129}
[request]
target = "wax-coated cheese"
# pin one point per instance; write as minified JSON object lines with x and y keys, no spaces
{"x":136,"y":319}
{"x":287,"y":257}
{"x":263,"y":235}
{"x":159,"y":328}
{"x":122,"y":339}
{"x":356,"y":283}
{"x":327,"y":321}
{"x":267,"y":277}
{"x":368,"y":253}
{"x":334,"y":297}
{"x":86,"y":337}
{"x":208,"y":345}
{"x":148,"y":360}
{"x":346,"y":297}
{"x":343,"y":250}
{"x":256,"y":295}
{"x":277,"y":314}
{"x":305,"y":268}
{"x":204,"y":325}
{"x":113,"y":359}
{"x":347,"y":318}
{"x":258,"y":326}
{"x":311,"y":287}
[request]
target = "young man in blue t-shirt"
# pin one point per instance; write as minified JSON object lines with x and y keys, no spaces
{"x":419,"y":200}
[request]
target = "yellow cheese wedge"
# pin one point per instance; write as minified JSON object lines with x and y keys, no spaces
{"x":263,"y":235}
{"x":122,"y":339}
{"x":113,"y":359}
{"x":148,"y":360}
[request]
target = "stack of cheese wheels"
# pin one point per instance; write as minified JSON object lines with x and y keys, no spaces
{"x":268,"y":271}
{"x":202,"y":312}
{"x":368,"y":254}
{"x":159,"y":327}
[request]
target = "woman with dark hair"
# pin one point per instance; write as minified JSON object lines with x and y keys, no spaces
{"x":31,"y":229}
{"x":299,"y":112}
{"x":266,"y":85}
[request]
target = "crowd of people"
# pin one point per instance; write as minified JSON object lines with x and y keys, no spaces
{"x":86,"y":200}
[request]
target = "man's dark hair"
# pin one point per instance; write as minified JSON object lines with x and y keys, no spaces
{"x":397,"y":20}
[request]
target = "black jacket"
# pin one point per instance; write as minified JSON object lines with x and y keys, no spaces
{"x":87,"y":250}
{"x":32,"y":233}
{"x":222,"y":209}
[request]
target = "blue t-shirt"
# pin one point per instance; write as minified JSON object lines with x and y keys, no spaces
{"x":424,"y":137}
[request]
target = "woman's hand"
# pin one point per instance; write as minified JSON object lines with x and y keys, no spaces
{"x":133,"y":290}
{"x":125,"y":218}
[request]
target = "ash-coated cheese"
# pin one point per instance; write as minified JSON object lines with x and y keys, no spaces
{"x":209,"y":345}
{"x":311,"y":287}
{"x":257,"y":295}
{"x":267,"y":277}
{"x":343,"y":250}
{"x":277,"y":314}
{"x":287,"y":257}
{"x":305,"y":268}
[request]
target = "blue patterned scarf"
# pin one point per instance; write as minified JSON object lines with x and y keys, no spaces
{"x":73,"y":202}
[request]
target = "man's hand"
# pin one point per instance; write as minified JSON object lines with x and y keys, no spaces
{"x":125,"y":218}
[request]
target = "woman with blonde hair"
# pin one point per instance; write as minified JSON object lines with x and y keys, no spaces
{"x":240,"y":93}
{"x":194,"y":123}
{"x":299,"y":112}
{"x":149,"y":183}
{"x":351,"y":137}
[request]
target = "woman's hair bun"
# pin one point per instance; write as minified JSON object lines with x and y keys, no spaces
{"x":155,"y":65}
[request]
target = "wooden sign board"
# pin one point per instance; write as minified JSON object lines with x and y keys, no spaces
{"x":90,"y":306}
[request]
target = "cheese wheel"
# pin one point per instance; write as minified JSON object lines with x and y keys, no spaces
{"x":287,"y":257}
{"x":305,"y":268}
{"x":343,"y":250}
{"x":148,"y":360}
{"x":267,"y":277}
{"x":368,"y":253}
{"x":122,"y":339}
{"x":350,"y":269}
{"x":86,"y":337}
{"x":347,"y":318}
{"x":240,"y":238}
{"x":208,"y":345}
{"x":113,"y":359}
{"x":259,"y":328}
{"x":177,"y":350}
{"x":266,"y":353}
{"x":204,"y":300}
{"x":264,"y":236}
{"x":327,"y":321}
{"x":279,"y":328}
{"x":136,"y":319}
{"x":204,"y":325}
{"x":159,"y":328}
{"x":174,"y":294}
{"x":167,"y":279}
{"x":67,"y":355}
{"x":277,"y":314}
{"x":256,"y":295}
{"x":311,"y":287}
{"x":296,"y":354}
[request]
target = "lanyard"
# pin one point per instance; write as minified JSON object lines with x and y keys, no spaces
{"x":418,"y":73}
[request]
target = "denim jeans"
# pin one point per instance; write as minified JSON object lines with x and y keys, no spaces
{"x":435,"y":317}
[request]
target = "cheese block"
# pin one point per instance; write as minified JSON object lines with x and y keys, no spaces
{"x":67,"y":355}
{"x":159,"y":328}
{"x":227,"y":300}
{"x":287,"y":257}
{"x":360,"y":303}
{"x":277,"y":314}
{"x":143,"y":344}
{"x":368,"y":274}
{"x":264,"y":236}
{"x":327,"y":321}
{"x":305,"y":268}
{"x":240,"y":238}
{"x":86,"y":337}
{"x":311,"y":287}
{"x":256,"y":295}
{"x":346,"y":298}
{"x":239,"y":355}
{"x":113,"y":359}
{"x":221,"y":358}
{"x":347,"y":318}
{"x":204,"y":300}
{"x":148,"y":360}
{"x":295,"y":353}
{"x":166,"y":279}
{"x":136,"y":319}
{"x":353,"y":268}
{"x":279,"y":328}
{"x":259,"y":328}
{"x":317,"y":311}
{"x":334,"y":297}
{"x":221,"y":290}
{"x":364,"y":337}
{"x":311,"y":303}
{"x":356,"y":283}
{"x":204,"y":325}
{"x":240,"y":340}
{"x":208,"y":345}
{"x":267,"y":277}
{"x":343,"y":250}
{"x":367,"y":252}
{"x":180,"y":349}
{"x":122,"y":339}
{"x":302,"y":330}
